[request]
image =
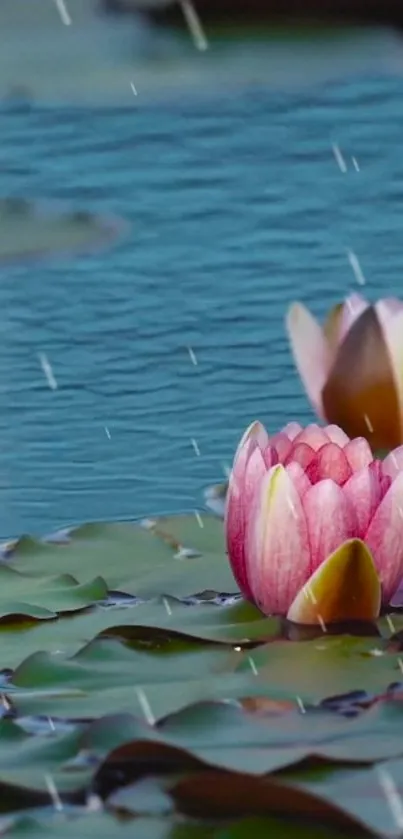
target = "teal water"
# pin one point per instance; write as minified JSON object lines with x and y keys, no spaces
{"x":236,"y":207}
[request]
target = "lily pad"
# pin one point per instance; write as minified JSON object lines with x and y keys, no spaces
{"x":326,"y":667}
{"x":45,"y":597}
{"x":142,"y":560}
{"x":153,"y":624}
{"x":125,"y":679}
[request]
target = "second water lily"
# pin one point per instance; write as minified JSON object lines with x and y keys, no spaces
{"x":314,"y":525}
{"x":352,"y":368}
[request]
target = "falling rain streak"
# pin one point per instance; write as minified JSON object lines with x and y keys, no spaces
{"x":167,"y":606}
{"x":353,"y":260}
{"x":195,"y":446}
{"x":65,"y":17}
{"x":392,"y":795}
{"x":47,"y":369}
{"x":368,"y":423}
{"x":199,"y":519}
{"x":339,"y":158}
{"x":252,"y":666}
{"x":145,"y":706}
{"x":54,"y":795}
{"x":193,"y":21}
{"x":192,"y":356}
{"x":300,"y":704}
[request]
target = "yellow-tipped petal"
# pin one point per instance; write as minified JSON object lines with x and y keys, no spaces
{"x":346,"y":587}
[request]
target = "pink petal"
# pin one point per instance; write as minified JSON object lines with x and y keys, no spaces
{"x":241,"y":488}
{"x":387,"y":308}
{"x":311,"y":352}
{"x":270,"y":456}
{"x":354,"y":306}
{"x":277,"y":543}
{"x":384,"y":481}
{"x":255,"y":431}
{"x":393,"y":463}
{"x":358,"y":453}
{"x":292,"y":429}
{"x":282,"y":444}
{"x":330,"y":520}
{"x":299,"y":477}
{"x":302,"y":454}
{"x":337,"y":435}
{"x":313,"y":435}
{"x":364,"y":494}
{"x":329,"y":462}
{"x":254,"y":436}
{"x":234,"y":518}
{"x":385,"y":539}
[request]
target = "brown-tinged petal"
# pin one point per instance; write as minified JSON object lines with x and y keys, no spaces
{"x":392,"y":329}
{"x":346,"y":587}
{"x":332,"y":327}
{"x":360,"y":393}
{"x":354,"y":305}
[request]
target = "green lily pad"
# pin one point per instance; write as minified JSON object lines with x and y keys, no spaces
{"x":103,"y":825}
{"x":27,"y":763}
{"x":326,"y":666}
{"x":150,"y":624}
{"x":223,"y":736}
{"x":142,"y":561}
{"x":45,"y":597}
{"x":366,"y":793}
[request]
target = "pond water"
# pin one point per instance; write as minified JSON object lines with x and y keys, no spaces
{"x":236,"y":206}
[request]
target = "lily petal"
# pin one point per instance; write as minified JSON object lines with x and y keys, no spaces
{"x":337,"y":435}
{"x":277,"y":543}
{"x":282,"y":444}
{"x":255,"y":431}
{"x":385,"y":538}
{"x":364,"y":493}
{"x":292,"y":429}
{"x":299,"y":477}
{"x":358,"y":453}
{"x":360,"y":393}
{"x":346,"y":587}
{"x":393,"y":463}
{"x":248,"y":469}
{"x":313,"y":435}
{"x":302,"y":454}
{"x":354,"y":305}
{"x":311,"y":352}
{"x":329,"y":462}
{"x":386,"y":309}
{"x":330,"y":520}
{"x":332,"y":327}
{"x":393,"y":337}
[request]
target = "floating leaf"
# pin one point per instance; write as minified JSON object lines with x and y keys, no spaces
{"x":136,"y":559}
{"x":42,"y":598}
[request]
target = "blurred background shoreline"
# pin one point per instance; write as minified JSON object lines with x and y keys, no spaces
{"x":75,"y":53}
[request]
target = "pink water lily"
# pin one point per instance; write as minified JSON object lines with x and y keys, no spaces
{"x":352,"y":368}
{"x":314,"y":525}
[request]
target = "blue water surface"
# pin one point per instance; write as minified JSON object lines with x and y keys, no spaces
{"x":236,"y":207}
